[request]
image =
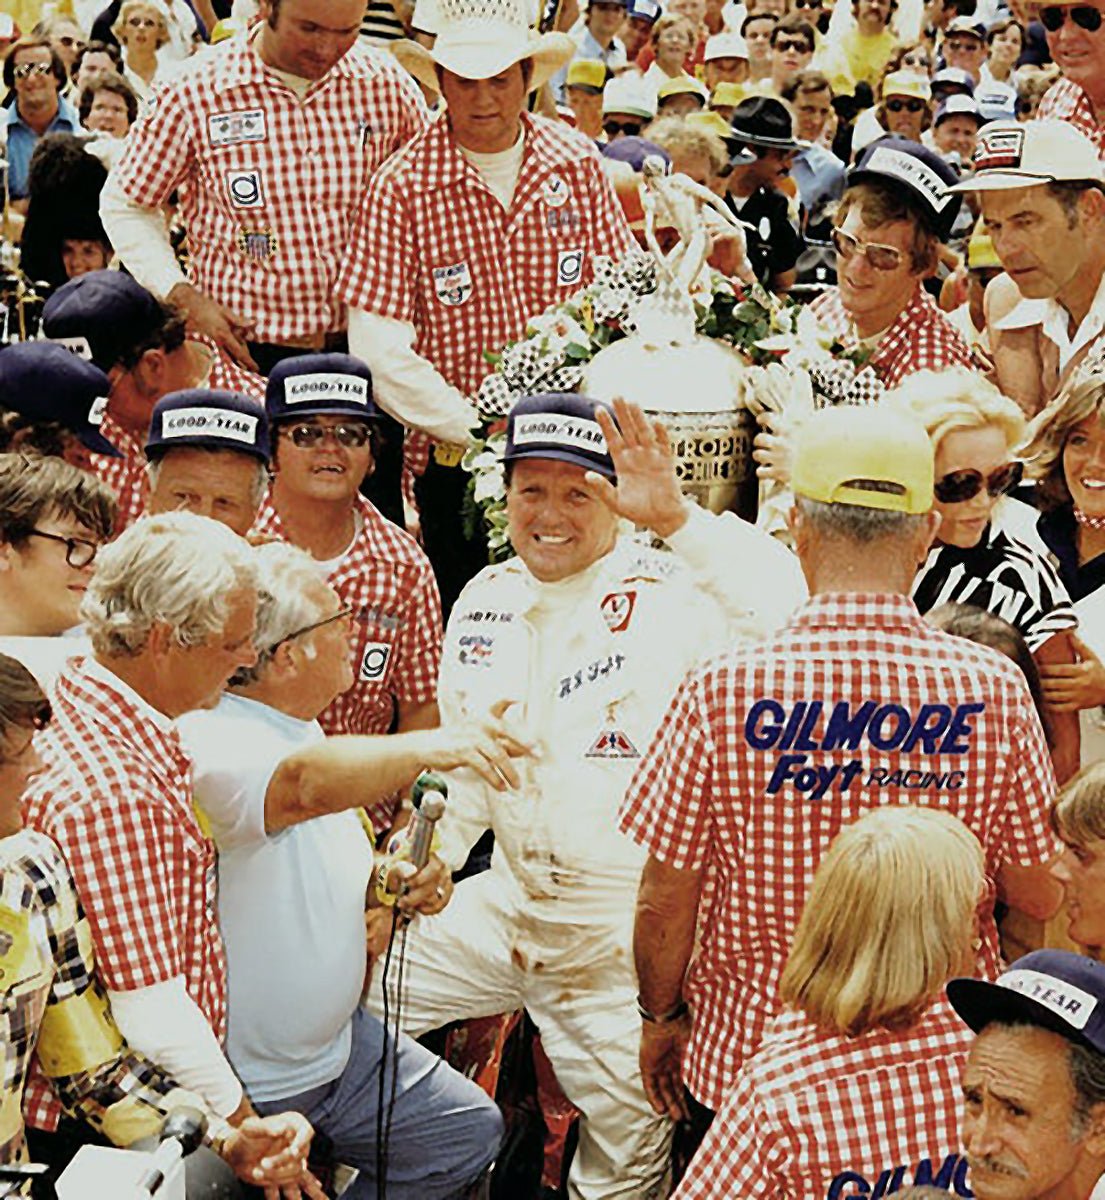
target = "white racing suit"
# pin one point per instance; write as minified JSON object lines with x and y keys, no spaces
{"x":590,"y":665}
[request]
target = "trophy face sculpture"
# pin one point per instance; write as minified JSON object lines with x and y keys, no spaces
{"x":694,"y":384}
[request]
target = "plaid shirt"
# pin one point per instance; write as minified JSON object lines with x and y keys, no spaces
{"x":433,"y":245}
{"x":816,"y":1114}
{"x":1066,"y":101}
{"x":920,"y":339}
{"x":269,"y":184}
{"x":388,"y":582}
{"x":52,"y":1007}
{"x":116,"y":797}
{"x":767,"y":752}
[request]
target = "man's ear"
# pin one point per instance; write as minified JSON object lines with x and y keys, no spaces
{"x":150,"y":369}
{"x":930,"y":528}
{"x":1095,"y":1133}
{"x":7,"y":556}
{"x":160,"y":640}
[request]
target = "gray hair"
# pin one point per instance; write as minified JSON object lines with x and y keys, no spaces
{"x":291,"y":594}
{"x":260,"y":479}
{"x":176,"y":568}
{"x":856,"y":523}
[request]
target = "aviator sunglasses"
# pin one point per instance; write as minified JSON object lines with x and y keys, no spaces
{"x":306,"y":436}
{"x":882,"y":258}
{"x":958,"y":486}
{"x":1085,"y":16}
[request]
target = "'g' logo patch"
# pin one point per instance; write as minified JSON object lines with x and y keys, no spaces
{"x":374,"y":661}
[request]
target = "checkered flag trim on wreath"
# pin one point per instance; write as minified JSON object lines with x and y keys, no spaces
{"x":838,"y":382}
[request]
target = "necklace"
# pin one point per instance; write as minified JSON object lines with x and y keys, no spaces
{"x":1088,"y":522}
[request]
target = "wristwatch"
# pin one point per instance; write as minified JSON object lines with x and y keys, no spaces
{"x":674,"y":1014}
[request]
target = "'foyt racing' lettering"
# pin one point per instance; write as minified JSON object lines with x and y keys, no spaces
{"x":933,"y":729}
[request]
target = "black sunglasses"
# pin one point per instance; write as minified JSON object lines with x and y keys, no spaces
{"x":307,"y":436}
{"x":958,"y":486}
{"x":629,"y":128}
{"x":1085,"y":16}
{"x":913,"y":106}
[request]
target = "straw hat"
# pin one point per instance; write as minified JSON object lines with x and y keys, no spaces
{"x":478,"y":39}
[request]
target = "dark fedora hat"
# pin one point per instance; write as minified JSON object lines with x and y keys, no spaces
{"x":762,"y":121}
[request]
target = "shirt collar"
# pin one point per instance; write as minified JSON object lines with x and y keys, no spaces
{"x":1053,"y":318}
{"x":66,"y":112}
{"x":831,"y":610}
{"x":242,"y":67}
{"x":141,"y":710}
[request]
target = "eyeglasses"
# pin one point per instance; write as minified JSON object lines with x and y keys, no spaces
{"x":79,"y":552}
{"x":341,"y":615}
{"x":1085,"y":16}
{"x":26,"y":70}
{"x":308,"y":436}
{"x":629,"y":128}
{"x":141,"y":22}
{"x":913,"y":106}
{"x":806,"y":4}
{"x":882,"y":258}
{"x":917,"y":60}
{"x":965,"y":45}
{"x":958,"y":486}
{"x":799,"y":44}
{"x":68,"y":42}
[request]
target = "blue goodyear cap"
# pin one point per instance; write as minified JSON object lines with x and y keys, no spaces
{"x":319,"y":385}
{"x":560,"y":426}
{"x":213,"y":419}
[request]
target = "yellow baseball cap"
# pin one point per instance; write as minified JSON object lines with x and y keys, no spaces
{"x":683,"y":85}
{"x":588,"y":74}
{"x":728,"y":95}
{"x":907,"y":83}
{"x":980,"y":249}
{"x":871,"y":457}
{"x":708,"y":122}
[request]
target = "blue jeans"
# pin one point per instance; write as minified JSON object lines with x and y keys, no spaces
{"x":444,"y":1129}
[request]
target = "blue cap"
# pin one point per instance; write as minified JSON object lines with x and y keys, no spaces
{"x":648,"y":10}
{"x":319,"y":384}
{"x":918,"y":171}
{"x":634,"y":150}
{"x":45,"y":382}
{"x":1054,"y":989}
{"x":101,"y":315}
{"x":210,"y":418}
{"x":558,"y":425}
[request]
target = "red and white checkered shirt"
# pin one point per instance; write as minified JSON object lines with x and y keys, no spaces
{"x":433,"y":245}
{"x":768,"y":751}
{"x":816,"y":1114}
{"x":920,"y":339}
{"x":1066,"y":101}
{"x":125,"y":476}
{"x":387,"y":580}
{"x":116,"y":796}
{"x":270,"y":184}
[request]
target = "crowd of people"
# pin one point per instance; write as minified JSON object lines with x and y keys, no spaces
{"x":772,"y":860}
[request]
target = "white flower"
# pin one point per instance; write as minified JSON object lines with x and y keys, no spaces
{"x":489,"y":485}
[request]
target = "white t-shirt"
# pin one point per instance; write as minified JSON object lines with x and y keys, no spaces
{"x":291,"y":906}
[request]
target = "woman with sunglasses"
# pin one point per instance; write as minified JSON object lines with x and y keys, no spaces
{"x":976,"y":559}
{"x":1066,"y":456}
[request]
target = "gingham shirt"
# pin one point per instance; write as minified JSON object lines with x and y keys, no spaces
{"x":388,"y":581}
{"x":269,"y":184}
{"x":116,"y":797}
{"x":47,"y":964}
{"x":730,"y":786}
{"x":1066,"y":101}
{"x":433,"y":246}
{"x":921,"y":338}
{"x":815,"y":1114}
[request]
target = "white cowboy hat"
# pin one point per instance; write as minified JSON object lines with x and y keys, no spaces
{"x":478,"y":39}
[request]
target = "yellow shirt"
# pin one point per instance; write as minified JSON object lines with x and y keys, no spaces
{"x":27,"y":13}
{"x":856,"y":58}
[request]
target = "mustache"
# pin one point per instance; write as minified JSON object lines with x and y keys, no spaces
{"x":996,"y":1166}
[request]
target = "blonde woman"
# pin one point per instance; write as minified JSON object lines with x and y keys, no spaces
{"x":860,"y":1072}
{"x":975,"y":431}
{"x":142,"y":28}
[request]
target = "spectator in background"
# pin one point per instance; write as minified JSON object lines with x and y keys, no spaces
{"x":724,"y":60}
{"x":63,"y":236}
{"x":108,"y":105}
{"x":694,"y":151}
{"x":916,"y":57}
{"x":627,"y":107}
{"x":596,"y":40}
{"x":889,"y":919}
{"x":905,"y":109}
{"x":640,"y":16}
{"x":34,"y":71}
{"x":724,"y":100}
{"x":142,"y":29}
{"x":756,"y":30}
{"x":817,"y":172}
{"x":185,"y":28}
{"x":1032,"y":85}
{"x":1079,"y":819}
{"x":64,"y":35}
{"x":96,"y":58}
{"x":997,"y":91}
{"x":762,"y":146}
{"x":1076,"y":41}
{"x":864,"y":49}
{"x":792,"y":45}
{"x":983,"y":267}
{"x":964,"y":46}
{"x":955,"y":130}
{"x":583,"y":87}
{"x":680,"y":98}
{"x":673,"y":41}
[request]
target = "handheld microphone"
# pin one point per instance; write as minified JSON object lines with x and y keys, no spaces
{"x":428,"y":796}
{"x":181,"y":1133}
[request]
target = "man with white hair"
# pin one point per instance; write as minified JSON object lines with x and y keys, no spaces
{"x":170,"y":612}
{"x":478,"y":224}
{"x":294,"y":868}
